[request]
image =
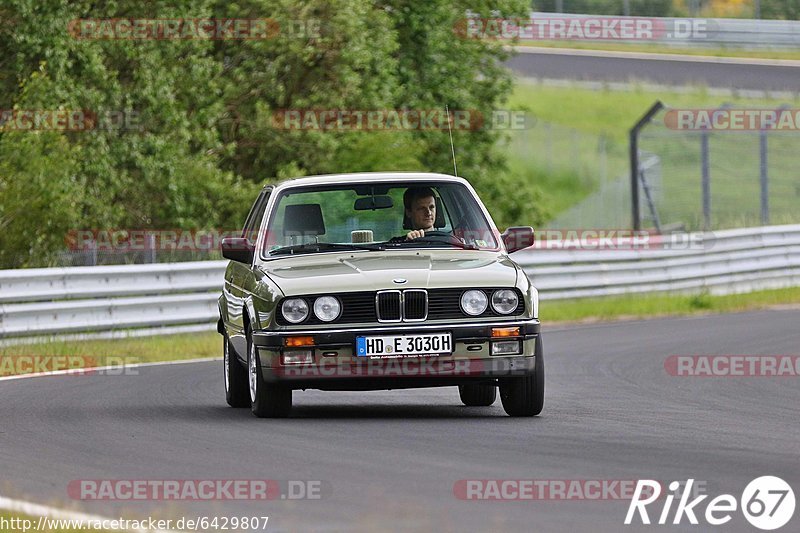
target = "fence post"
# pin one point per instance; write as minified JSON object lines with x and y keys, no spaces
{"x":548,"y":134}
{"x":706,"y":180}
{"x":634,"y":158}
{"x":151,"y":248}
{"x":576,"y":151}
{"x":764,"y":178}
{"x":603,"y":160}
{"x":91,"y":253}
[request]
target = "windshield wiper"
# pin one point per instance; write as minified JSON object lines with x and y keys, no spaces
{"x":323,"y":247}
{"x":433,"y":243}
{"x":464,"y":245}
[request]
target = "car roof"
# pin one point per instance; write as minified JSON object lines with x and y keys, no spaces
{"x":368,"y":177}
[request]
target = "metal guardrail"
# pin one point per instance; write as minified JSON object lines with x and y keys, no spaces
{"x":41,"y":301}
{"x":731,"y":261}
{"x":80,"y":299}
{"x":715,"y":32}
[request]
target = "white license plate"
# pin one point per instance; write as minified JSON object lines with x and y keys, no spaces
{"x":404,"y":345}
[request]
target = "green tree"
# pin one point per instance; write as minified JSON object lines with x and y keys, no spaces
{"x":162,"y":173}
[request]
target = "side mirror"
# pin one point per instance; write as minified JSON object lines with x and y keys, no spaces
{"x":237,"y":249}
{"x":518,"y":238}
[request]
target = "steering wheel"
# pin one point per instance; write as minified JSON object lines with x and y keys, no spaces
{"x":439,"y":236}
{"x":437,"y":233}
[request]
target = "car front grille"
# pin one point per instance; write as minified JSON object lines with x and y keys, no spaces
{"x":417,"y":305}
{"x":389,"y":306}
{"x":410,"y":305}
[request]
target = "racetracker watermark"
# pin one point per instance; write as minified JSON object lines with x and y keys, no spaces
{"x":196,"y":489}
{"x":544,"y":489}
{"x":133,"y":240}
{"x":178,"y":29}
{"x":208,"y":240}
{"x":619,"y":240}
{"x":733,"y":366}
{"x":195,"y":523}
{"x":399,"y":366}
{"x":733,"y":119}
{"x":68,"y":120}
{"x":69,"y":365}
{"x":582,"y":28}
{"x":334,"y":120}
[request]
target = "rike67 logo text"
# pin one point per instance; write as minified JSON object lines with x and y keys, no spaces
{"x":767,"y":503}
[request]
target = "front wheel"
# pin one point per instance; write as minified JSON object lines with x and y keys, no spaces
{"x":524,"y":396}
{"x":236,"y":387}
{"x":267,"y":400}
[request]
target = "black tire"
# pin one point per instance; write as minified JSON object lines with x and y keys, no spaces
{"x":267,"y":400}
{"x":237,"y":392}
{"x":524,"y":396}
{"x":477,"y":394}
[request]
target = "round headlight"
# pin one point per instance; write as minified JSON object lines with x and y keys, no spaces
{"x":327,"y":308}
{"x":474,"y":302}
{"x":504,"y":301}
{"x":295,"y":310}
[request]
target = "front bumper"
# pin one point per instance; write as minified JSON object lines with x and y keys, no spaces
{"x":336,"y":367}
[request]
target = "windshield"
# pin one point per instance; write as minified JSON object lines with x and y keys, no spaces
{"x":377,"y":217}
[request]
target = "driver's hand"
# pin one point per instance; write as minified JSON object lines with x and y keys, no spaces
{"x":416,"y":234}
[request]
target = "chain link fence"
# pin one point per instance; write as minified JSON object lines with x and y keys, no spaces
{"x":711,"y":169}
{"x":580,"y":174}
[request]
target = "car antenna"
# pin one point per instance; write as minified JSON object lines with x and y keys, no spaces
{"x":452,"y":146}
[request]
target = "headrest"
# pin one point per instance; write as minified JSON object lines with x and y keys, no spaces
{"x":303,"y":219}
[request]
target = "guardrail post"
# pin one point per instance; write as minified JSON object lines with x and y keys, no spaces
{"x":764,"y":178}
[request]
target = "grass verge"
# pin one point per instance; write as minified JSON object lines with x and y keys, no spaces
{"x":613,"y":113}
{"x":63,"y":354}
{"x":636,"y":306}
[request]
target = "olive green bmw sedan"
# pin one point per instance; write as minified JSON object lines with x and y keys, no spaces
{"x":378,"y":281}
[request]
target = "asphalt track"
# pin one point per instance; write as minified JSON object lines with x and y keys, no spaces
{"x":389,"y":459}
{"x":581,"y":66}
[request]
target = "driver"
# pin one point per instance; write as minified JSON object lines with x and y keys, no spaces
{"x":420,"y":208}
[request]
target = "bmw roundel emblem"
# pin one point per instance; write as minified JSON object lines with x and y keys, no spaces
{"x":399,"y":281}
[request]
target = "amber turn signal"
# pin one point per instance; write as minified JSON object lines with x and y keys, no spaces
{"x":505,"y":332}
{"x":299,"y":341}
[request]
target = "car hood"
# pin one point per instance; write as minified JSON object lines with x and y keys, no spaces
{"x":362,"y":271}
